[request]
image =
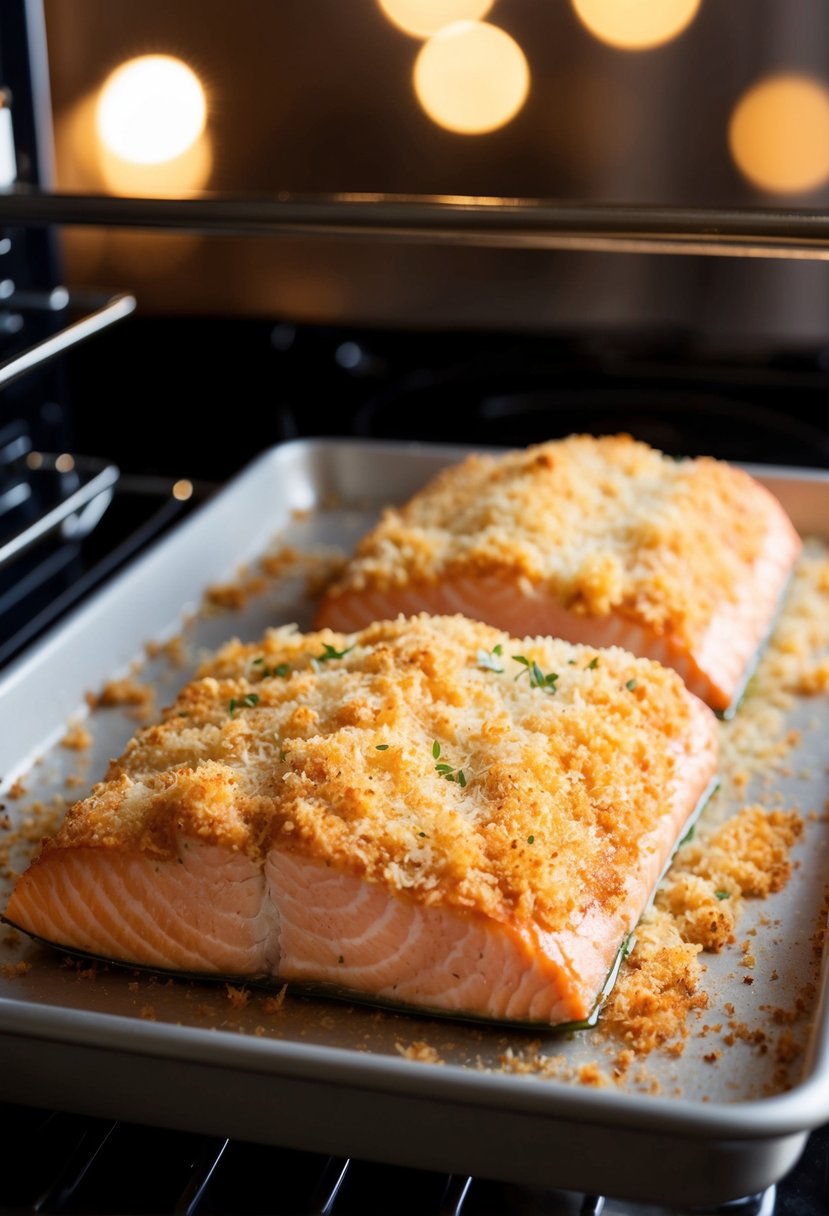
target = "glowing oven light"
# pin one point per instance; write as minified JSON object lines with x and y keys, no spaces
{"x":471,"y":77}
{"x":151,"y":110}
{"x":778,"y":134}
{"x":422,"y":18}
{"x":636,"y":25}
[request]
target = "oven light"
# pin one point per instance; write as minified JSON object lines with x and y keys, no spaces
{"x":422,"y":18}
{"x":636,"y":25}
{"x":471,"y":77}
{"x":778,"y":134}
{"x":151,"y":110}
{"x":182,"y":490}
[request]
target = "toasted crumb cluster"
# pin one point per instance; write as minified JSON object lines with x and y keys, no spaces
{"x":422,"y":754}
{"x":606,"y":524}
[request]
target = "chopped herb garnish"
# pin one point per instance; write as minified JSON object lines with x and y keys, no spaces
{"x":537,"y":677}
{"x":283,"y":755}
{"x":331,"y":652}
{"x":571,"y":662}
{"x":281,"y":669}
{"x":723,"y":894}
{"x":423,"y":834}
{"x":594,"y":663}
{"x":488,"y":659}
{"x":382,"y":747}
{"x":630,"y":685}
{"x":448,"y":770}
{"x":689,"y":835}
{"x":248,"y":700}
{"x":531,"y":840}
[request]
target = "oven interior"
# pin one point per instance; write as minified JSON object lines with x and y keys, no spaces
{"x":111,"y":433}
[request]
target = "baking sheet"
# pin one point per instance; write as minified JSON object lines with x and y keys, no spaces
{"x":341,"y":1078}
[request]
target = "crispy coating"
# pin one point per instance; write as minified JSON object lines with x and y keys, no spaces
{"x":330,"y":752}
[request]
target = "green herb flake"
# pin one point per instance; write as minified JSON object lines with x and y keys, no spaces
{"x":260,"y":662}
{"x":250,"y":699}
{"x":435,"y":749}
{"x":283,"y":755}
{"x":723,"y":894}
{"x":461,"y":778}
{"x":382,"y":747}
{"x":630,"y":685}
{"x":330,"y":652}
{"x":593,"y":664}
{"x":689,"y":835}
{"x":537,"y":677}
{"x":231,"y":706}
{"x":531,"y":840}
{"x":423,"y":834}
{"x":488,"y":659}
{"x":281,"y":669}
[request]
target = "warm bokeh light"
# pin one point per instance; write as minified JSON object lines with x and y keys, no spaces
{"x":182,"y":490}
{"x":471,"y":77}
{"x":779,"y":134}
{"x":422,"y":18}
{"x":181,"y":175}
{"x":636,"y":25}
{"x":151,"y":109}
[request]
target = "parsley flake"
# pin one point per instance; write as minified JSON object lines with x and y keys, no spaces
{"x":447,"y":770}
{"x":249,"y":700}
{"x":531,"y":840}
{"x":330,"y":652}
{"x":537,"y":677}
{"x":382,"y":747}
{"x":630,"y":685}
{"x":723,"y":894}
{"x":594,"y":663}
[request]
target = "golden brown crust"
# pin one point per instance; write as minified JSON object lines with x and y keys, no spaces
{"x":604,"y":524}
{"x":332,"y":757}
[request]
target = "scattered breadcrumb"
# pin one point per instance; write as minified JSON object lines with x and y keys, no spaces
{"x":421,"y":1051}
{"x":238,"y":997}
{"x":273,"y":1004}
{"x":17,"y":790}
{"x":12,"y":971}
{"x":148,"y":1013}
{"x":174,"y":650}
{"x":77,"y":737}
{"x":127,"y":691}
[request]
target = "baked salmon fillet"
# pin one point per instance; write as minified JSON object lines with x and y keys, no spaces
{"x":604,"y":541}
{"x":427,"y":813}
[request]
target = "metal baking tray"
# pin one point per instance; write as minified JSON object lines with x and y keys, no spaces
{"x":331,"y":1077}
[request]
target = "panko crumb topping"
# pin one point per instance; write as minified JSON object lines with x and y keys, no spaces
{"x":438,"y":756}
{"x":605,"y":524}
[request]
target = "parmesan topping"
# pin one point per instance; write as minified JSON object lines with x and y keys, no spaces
{"x":604,"y":524}
{"x":349,"y":750}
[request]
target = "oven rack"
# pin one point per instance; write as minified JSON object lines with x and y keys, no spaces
{"x":83,"y":1163}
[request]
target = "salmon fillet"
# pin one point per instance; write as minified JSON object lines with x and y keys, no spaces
{"x":603,"y":541}
{"x":428,"y":812}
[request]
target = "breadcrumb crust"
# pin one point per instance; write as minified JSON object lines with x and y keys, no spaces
{"x":335,"y":758}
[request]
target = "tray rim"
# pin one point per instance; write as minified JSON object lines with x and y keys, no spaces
{"x":801,"y":1108}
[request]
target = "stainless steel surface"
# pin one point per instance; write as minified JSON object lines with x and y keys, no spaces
{"x":115,"y":309}
{"x":76,"y":513}
{"x":329,"y":1077}
{"x":793,"y":234}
